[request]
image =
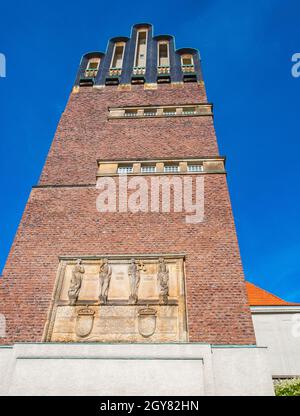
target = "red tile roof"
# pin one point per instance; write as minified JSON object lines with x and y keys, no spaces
{"x":260,"y":297}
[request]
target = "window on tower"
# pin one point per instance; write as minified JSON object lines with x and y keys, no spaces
{"x":130,"y":113}
{"x":171,"y":168}
{"x":188,"y":68}
{"x":169,"y":111}
{"x":140,"y":53}
{"x":148,"y":168}
{"x":124,"y":169}
{"x":195,"y":167}
{"x":188,"y":111}
{"x":117,"y":59}
{"x":150,"y":112}
{"x":92,"y":67}
{"x":163,"y":54}
{"x":187,"y":63}
{"x":163,"y":62}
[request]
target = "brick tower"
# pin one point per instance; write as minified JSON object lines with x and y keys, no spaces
{"x":170,"y":287}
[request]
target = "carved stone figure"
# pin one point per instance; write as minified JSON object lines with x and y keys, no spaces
{"x":134,"y":279}
{"x":163,"y":279}
{"x":104,"y":279}
{"x":77,"y":275}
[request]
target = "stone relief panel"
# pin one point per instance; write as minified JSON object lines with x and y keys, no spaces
{"x":118,"y":299}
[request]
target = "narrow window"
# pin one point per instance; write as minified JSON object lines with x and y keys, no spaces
{"x":92,"y":67}
{"x":195,"y":168}
{"x":141,"y":49}
{"x":117,"y":59}
{"x":171,"y":168}
{"x":163,"y":54}
{"x":125,"y":169}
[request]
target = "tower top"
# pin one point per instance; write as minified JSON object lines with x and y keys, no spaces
{"x":138,"y":59}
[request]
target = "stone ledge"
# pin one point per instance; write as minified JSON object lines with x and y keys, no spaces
{"x":183,"y":369}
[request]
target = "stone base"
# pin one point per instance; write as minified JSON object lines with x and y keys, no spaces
{"x":134,"y":369}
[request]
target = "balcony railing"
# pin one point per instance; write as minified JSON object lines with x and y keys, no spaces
{"x":90,"y":73}
{"x":139,"y":70}
{"x":188,"y":68}
{"x":115,"y":72}
{"x":163,"y":69}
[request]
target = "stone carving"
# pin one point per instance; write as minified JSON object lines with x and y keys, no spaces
{"x":84,"y":322}
{"x":134,"y":279}
{"x":144,"y":295}
{"x":163,"y":279}
{"x":104,"y":279}
{"x":77,"y":275}
{"x":147,"y":322}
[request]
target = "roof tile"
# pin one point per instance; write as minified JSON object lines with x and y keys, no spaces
{"x":260,"y":297}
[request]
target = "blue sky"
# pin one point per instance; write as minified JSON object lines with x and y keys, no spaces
{"x":246,"y":49}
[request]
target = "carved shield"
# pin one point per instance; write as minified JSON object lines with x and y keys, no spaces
{"x":84,"y":322}
{"x":147,"y":322}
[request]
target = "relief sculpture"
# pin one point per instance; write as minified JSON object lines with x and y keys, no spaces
{"x":76,"y":281}
{"x":163,"y":279}
{"x":134,"y":279}
{"x":104,"y":280}
{"x":118,"y":298}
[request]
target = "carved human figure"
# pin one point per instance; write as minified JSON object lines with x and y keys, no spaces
{"x":163,"y":279}
{"x":134,"y":279}
{"x":76,"y":281}
{"x":104,"y":280}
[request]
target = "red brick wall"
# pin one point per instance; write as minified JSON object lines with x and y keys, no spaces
{"x":64,"y":220}
{"x":85,"y":133}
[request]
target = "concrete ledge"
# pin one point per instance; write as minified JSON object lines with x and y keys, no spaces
{"x":133,"y":369}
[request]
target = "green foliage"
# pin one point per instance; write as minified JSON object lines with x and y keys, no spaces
{"x":290,"y":387}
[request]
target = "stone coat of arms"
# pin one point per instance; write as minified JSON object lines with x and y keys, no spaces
{"x":84,"y":322}
{"x":147,"y":322}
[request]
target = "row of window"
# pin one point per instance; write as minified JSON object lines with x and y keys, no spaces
{"x":168,"y":168}
{"x":140,"y":59}
{"x":158,"y":167}
{"x":163,"y":111}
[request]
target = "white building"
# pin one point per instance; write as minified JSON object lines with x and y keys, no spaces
{"x":277,"y":326}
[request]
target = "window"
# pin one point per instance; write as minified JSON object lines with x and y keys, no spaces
{"x":92,"y":67}
{"x":130,"y":113}
{"x":195,"y":168}
{"x":187,"y":60}
{"x":141,"y":49}
{"x":163,"y":54}
{"x":150,"y":112}
{"x":117,"y":59}
{"x":169,"y":111}
{"x":125,"y":169}
{"x":171,"y":168}
{"x":187,"y":66}
{"x":148,"y":168}
{"x":187,"y":111}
